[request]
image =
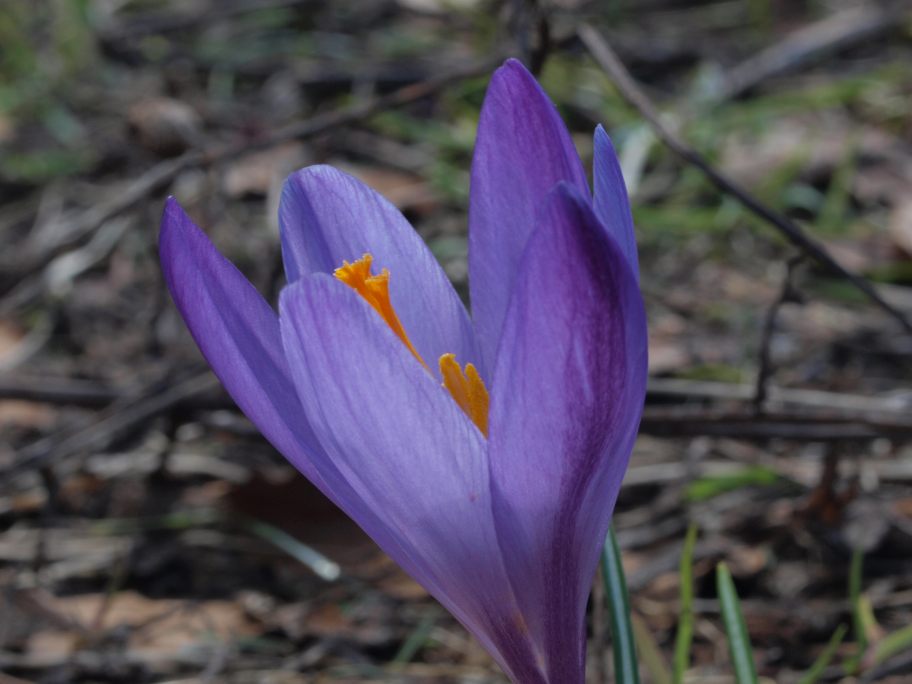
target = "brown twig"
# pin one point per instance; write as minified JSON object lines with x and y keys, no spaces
{"x":606,"y":58}
{"x":163,"y":173}
{"x":62,"y":391}
{"x":152,"y":23}
{"x":838,"y":31}
{"x":87,"y":223}
{"x":322,"y":123}
{"x":86,"y":393}
{"x":666,"y":390}
{"x":765,"y":364}
{"x":674,"y":408}
{"x":724,"y":409}
{"x":690,"y":421}
{"x":112,"y":423}
{"x":745,"y":424}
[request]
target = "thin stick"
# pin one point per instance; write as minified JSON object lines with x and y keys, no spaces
{"x":606,"y":58}
{"x":163,"y":173}
{"x":838,"y":31}
{"x":765,"y":369}
{"x":63,"y":391}
{"x":747,"y":425}
{"x":322,"y":123}
{"x":674,"y":408}
{"x":112,"y":423}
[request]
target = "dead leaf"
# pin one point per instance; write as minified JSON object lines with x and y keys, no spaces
{"x":855,"y":256}
{"x":405,"y":190}
{"x":328,"y":620}
{"x":883,"y":182}
{"x":11,"y":336}
{"x":820,"y":146}
{"x":53,"y":643}
{"x":747,"y":561}
{"x":400,"y":586}
{"x":668,"y":350}
{"x":26,"y":414}
{"x":161,"y":626}
{"x":164,"y":126}
{"x":257,"y":173}
{"x":900,"y":225}
{"x":7,"y":129}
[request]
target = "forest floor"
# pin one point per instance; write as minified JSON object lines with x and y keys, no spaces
{"x":148,"y":534}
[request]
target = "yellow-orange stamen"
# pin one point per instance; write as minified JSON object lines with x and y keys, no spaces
{"x":467,"y":388}
{"x":375,"y":289}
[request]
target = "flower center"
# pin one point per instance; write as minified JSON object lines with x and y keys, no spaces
{"x":465,"y":386}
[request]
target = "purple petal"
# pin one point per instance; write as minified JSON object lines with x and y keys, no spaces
{"x":399,"y":448}
{"x":566,"y":402}
{"x":238,"y":333}
{"x":327,"y":216}
{"x":611,"y":203}
{"x":240,"y":336}
{"x":522,"y":151}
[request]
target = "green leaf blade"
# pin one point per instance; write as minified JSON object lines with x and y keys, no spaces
{"x":623,"y":643}
{"x":684,"y":635}
{"x":738,"y":641}
{"x":825,"y":657}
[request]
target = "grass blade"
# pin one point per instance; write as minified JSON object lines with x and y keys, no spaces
{"x":623,"y":643}
{"x":823,"y":660}
{"x":319,"y":564}
{"x":892,"y":644}
{"x":738,"y":641}
{"x":416,"y":641}
{"x":856,"y":600}
{"x":650,"y":653}
{"x":684,"y":636}
{"x":855,"y":575}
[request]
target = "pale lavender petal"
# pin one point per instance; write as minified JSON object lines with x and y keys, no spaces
{"x":522,"y":151}
{"x":398,"y":447}
{"x":610,"y":199}
{"x":567,"y":396}
{"x":238,"y":333}
{"x":327,"y":217}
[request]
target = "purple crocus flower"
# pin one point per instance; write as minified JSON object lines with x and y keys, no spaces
{"x":498,"y":504}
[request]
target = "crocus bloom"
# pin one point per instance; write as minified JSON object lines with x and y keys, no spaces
{"x":484,"y":455}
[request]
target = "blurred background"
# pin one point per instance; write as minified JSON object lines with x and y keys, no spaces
{"x":148,"y":534}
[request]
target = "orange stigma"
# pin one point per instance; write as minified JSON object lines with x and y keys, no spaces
{"x":375,"y":289}
{"x":465,"y":386}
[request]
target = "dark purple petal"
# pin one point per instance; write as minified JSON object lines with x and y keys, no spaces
{"x":566,"y":399}
{"x":610,"y":197}
{"x":328,"y":217}
{"x":522,"y":151}
{"x":238,"y":333}
{"x":403,"y":460}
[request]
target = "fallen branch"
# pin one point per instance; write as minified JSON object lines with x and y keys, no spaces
{"x":788,"y":293}
{"x":836,"y":32}
{"x":119,"y":418}
{"x":162,"y":174}
{"x":747,"y":425}
{"x":606,"y":58}
{"x":661,"y":391}
{"x":675,"y":408}
{"x":778,"y":398}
